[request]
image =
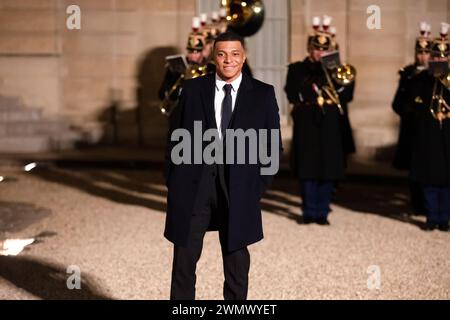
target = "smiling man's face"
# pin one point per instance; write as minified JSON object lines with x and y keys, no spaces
{"x":229,"y":57}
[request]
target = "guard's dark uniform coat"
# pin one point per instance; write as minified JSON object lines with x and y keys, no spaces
{"x":402,"y":158}
{"x":430,"y":162}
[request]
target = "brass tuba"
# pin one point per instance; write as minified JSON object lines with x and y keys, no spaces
{"x":171,"y":97}
{"x":244,"y":17}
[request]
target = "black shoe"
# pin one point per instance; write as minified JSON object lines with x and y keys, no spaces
{"x":323,"y":222}
{"x":444,"y":227}
{"x":429,"y":226}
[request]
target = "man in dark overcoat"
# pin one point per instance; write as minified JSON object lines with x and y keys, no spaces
{"x":224,"y":196}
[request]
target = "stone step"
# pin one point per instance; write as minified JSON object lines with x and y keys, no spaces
{"x":25,"y":130}
{"x":25,"y":144}
{"x":65,"y":141}
{"x":39,"y":143}
{"x":30,"y":128}
{"x":7,"y":103}
{"x":20,"y":114}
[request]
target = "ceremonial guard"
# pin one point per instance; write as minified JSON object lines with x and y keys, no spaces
{"x":319,"y":94}
{"x":402,"y":158}
{"x":428,"y":99}
{"x":172,"y":84}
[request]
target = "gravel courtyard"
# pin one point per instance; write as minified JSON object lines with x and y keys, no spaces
{"x":109,"y":224}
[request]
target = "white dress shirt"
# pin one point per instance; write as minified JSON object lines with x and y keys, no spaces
{"x":220,"y":94}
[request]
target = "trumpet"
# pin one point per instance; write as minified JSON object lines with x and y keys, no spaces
{"x":172,"y":96}
{"x":343,"y":75}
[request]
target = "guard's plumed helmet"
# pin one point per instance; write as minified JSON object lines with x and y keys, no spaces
{"x":196,"y":39}
{"x":424,"y":41}
{"x":440,"y":46}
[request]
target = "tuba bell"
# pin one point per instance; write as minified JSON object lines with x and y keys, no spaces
{"x":244,"y":17}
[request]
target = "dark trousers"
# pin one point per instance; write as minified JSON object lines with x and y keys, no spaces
{"x":437,"y":204}
{"x":316,"y":197}
{"x":211,"y":209}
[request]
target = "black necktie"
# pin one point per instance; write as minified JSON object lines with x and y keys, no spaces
{"x":226,"y":109}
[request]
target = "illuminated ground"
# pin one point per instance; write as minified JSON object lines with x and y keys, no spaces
{"x":109,"y":223}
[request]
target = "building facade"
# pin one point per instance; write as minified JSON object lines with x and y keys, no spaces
{"x":106,"y":74}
